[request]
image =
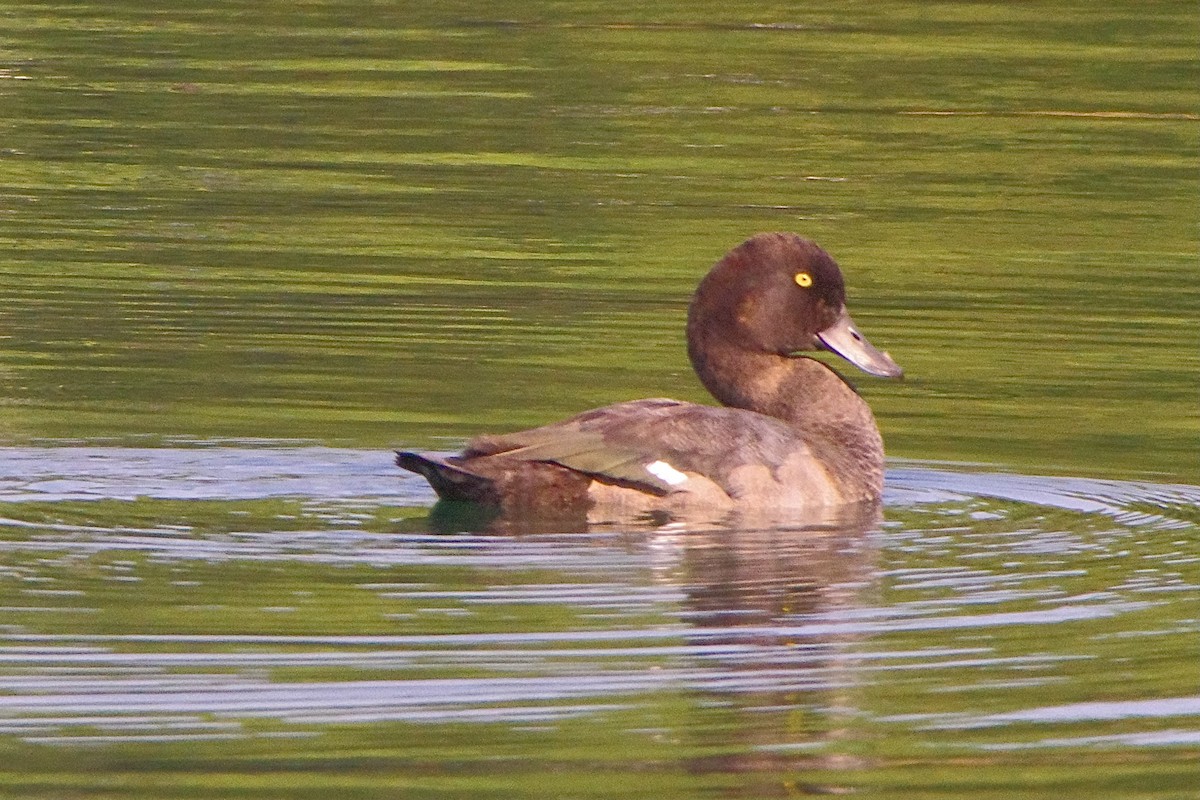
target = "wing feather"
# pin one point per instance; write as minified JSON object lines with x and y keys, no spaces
{"x":617,"y":443}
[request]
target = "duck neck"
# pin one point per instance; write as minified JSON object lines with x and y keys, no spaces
{"x":806,"y":394}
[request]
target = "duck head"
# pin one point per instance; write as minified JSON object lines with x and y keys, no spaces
{"x":774,"y":295}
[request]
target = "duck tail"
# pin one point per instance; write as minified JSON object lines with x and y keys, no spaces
{"x":451,"y":481}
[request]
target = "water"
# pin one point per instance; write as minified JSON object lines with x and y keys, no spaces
{"x":262,"y":607}
{"x":246,"y":251}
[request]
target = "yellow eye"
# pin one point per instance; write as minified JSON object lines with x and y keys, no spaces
{"x":803,"y":279}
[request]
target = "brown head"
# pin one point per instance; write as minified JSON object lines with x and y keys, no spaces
{"x":774,"y":295}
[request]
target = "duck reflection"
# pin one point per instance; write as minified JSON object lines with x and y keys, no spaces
{"x":764,"y":601}
{"x":772,"y":672}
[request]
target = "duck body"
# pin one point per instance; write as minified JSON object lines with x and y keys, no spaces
{"x":791,"y":434}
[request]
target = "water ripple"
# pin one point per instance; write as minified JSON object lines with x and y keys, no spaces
{"x":985,"y":600}
{"x":208,"y":472}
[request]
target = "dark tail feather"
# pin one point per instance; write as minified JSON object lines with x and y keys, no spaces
{"x":450,"y":481}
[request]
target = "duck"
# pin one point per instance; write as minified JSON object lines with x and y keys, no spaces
{"x":790,"y":433}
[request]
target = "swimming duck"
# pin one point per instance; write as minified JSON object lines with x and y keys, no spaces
{"x":792,"y":433}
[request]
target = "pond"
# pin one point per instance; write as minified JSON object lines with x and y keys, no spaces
{"x":250,"y":249}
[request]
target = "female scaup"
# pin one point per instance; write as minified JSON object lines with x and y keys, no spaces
{"x":792,"y":434}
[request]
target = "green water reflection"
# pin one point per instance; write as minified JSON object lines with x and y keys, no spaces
{"x":281,"y":648}
{"x":388,"y":227}
{"x":400,"y":224}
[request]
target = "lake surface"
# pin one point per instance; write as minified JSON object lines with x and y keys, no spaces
{"x":247,"y":249}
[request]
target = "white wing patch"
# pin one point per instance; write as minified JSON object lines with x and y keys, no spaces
{"x":665,"y":472}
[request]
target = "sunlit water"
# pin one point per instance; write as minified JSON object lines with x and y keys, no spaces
{"x":237,"y":237}
{"x":215,"y":596}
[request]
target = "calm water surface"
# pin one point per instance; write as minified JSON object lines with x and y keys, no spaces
{"x":245,"y":249}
